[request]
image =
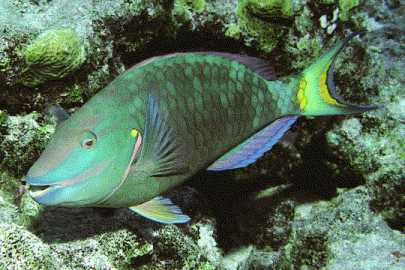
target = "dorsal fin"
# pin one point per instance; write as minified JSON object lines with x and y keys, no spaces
{"x":259,"y":66}
{"x":253,"y":148}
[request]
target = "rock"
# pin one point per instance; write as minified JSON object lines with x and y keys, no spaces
{"x":378,"y":159}
{"x":207,"y":242}
{"x":193,"y":5}
{"x":8,"y":210}
{"x":33,"y":237}
{"x":248,"y":257}
{"x":22,"y":138}
{"x":372,"y":146}
{"x":180,"y":251}
{"x":345,"y":7}
{"x":342,"y":234}
{"x":20,"y":249}
{"x":237,"y":259}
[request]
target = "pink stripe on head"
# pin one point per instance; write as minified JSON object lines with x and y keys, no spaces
{"x":134,"y":154}
{"x":137,"y":146}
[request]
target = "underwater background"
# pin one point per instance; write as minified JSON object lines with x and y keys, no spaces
{"x":330,"y":195}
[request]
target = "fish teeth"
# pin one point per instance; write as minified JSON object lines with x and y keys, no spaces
{"x":38,"y":193}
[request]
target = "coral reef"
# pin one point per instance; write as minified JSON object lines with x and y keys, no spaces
{"x":265,"y":22}
{"x":194,"y":5}
{"x":329,"y":196}
{"x":23,"y":139}
{"x":345,"y":7}
{"x":341,"y":234}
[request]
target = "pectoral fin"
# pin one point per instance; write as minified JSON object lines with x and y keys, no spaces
{"x":161,"y":210}
{"x":162,"y":154}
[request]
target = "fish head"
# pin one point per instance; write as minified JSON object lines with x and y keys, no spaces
{"x":87,"y":158}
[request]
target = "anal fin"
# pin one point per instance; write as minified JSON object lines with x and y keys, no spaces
{"x":253,"y":148}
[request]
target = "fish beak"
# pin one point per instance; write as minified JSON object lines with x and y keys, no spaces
{"x":38,"y":190}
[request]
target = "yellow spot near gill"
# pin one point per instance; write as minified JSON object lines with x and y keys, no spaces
{"x":134,"y":132}
{"x":302,"y":101}
{"x":324,"y":91}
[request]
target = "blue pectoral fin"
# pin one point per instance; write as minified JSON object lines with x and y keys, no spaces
{"x":161,"y":210}
{"x":162,"y":154}
{"x":253,"y":148}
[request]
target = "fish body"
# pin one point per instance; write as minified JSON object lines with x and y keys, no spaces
{"x":168,"y":117}
{"x":203,"y":98}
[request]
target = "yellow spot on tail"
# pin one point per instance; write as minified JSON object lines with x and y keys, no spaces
{"x":302,"y":101}
{"x":134,"y":133}
{"x":324,"y":91}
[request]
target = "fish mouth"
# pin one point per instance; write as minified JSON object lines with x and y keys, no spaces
{"x":38,"y":191}
{"x":46,"y":192}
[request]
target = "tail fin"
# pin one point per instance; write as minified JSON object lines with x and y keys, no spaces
{"x":317,"y":93}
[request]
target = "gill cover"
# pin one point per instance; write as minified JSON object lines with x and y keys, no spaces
{"x":316,"y":93}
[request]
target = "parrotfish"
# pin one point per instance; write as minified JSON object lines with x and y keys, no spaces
{"x":167,"y":118}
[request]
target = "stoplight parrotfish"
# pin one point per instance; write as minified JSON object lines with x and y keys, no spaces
{"x":168,"y":117}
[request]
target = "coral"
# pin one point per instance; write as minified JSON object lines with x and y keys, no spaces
{"x":183,"y":9}
{"x":115,"y":34}
{"x":196,"y":5}
{"x":3,"y":117}
{"x":233,"y":31}
{"x":178,"y":244}
{"x":20,"y":249}
{"x":22,"y":140}
{"x":96,"y":239}
{"x":107,"y":250}
{"x":208,"y":243}
{"x":52,"y":55}
{"x":373,"y":146}
{"x":237,"y":259}
{"x":8,"y":189}
{"x":345,"y":6}
{"x":29,"y":209}
{"x":265,"y":21}
{"x":76,"y":93}
{"x":341,"y":234}
{"x":8,"y":186}
{"x":378,"y":155}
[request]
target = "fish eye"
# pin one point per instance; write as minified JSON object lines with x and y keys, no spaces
{"x":88,"y":143}
{"x":89,"y":140}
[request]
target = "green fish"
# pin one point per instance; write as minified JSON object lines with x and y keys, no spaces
{"x":168,"y":117}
